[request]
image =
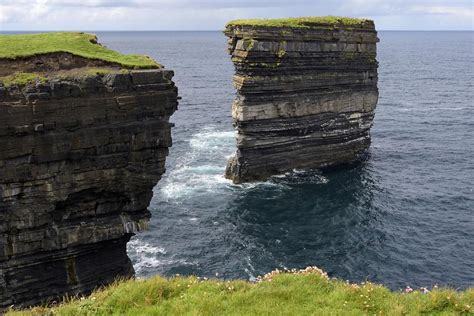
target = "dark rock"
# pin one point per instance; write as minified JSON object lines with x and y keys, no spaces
{"x":39,"y":127}
{"x":92,"y":85}
{"x":76,"y":178}
{"x":37,"y":96}
{"x":30,"y":89}
{"x":65,"y":89}
{"x":144,"y":77}
{"x":42,"y":87}
{"x":118,"y":82}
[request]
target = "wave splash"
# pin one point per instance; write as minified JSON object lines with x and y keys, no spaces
{"x":201,"y":169}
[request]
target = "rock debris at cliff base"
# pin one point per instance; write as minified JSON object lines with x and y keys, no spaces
{"x":306,"y":94}
{"x":79,"y":157}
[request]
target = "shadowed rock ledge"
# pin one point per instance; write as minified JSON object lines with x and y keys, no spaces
{"x":306,"y":93}
{"x":79,"y":157}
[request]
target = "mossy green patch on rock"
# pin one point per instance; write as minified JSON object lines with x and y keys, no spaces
{"x":303,"y":22}
{"x":79,"y":44}
{"x":22,"y":79}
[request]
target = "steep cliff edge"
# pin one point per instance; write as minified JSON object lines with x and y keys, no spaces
{"x":81,"y":149}
{"x":306,"y":93}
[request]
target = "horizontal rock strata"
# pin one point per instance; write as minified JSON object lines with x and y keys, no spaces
{"x":78,"y":161}
{"x":306,"y":96}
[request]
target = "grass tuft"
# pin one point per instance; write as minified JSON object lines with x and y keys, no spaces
{"x":79,"y":44}
{"x":303,"y":22}
{"x":296,"y":292}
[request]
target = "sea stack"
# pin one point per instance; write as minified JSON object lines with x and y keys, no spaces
{"x":83,"y":141}
{"x":306,"y":93}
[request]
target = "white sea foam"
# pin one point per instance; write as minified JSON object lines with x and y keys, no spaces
{"x":255,"y":185}
{"x":300,"y":176}
{"x":210,"y":139}
{"x":151,"y":263}
{"x":201,"y":169}
{"x":138,"y":246}
{"x":298,"y":171}
{"x":147,"y":257}
{"x":250,"y":269}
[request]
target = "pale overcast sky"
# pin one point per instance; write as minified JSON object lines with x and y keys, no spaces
{"x":213,"y":14}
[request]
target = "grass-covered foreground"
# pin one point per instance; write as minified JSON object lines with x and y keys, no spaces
{"x":79,"y":44}
{"x":302,"y":22}
{"x":304,"y":292}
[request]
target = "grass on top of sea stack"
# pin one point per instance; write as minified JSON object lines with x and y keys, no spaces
{"x":303,"y":22}
{"x":302,"y":292}
{"x":79,"y":44}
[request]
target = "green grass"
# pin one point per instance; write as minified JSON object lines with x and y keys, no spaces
{"x":79,"y":44}
{"x":306,"y":292}
{"x":302,"y":22}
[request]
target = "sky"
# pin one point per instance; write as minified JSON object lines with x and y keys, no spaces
{"x":84,"y":15}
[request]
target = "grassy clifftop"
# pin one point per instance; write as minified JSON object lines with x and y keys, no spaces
{"x":304,"y":292}
{"x":303,"y":22}
{"x":79,"y":44}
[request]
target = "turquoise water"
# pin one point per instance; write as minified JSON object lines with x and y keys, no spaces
{"x":403,"y":217}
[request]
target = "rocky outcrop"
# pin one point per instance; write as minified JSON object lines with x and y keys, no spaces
{"x":79,"y":158}
{"x":306,"y":96}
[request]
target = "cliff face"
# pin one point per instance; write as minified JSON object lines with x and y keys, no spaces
{"x":306,"y":96}
{"x":78,"y":161}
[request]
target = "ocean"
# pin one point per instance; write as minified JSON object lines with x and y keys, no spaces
{"x":405,"y":216}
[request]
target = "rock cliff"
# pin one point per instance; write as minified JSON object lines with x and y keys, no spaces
{"x":79,"y":157}
{"x":306,"y":93}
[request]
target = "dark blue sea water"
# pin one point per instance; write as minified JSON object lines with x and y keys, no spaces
{"x":403,"y":217}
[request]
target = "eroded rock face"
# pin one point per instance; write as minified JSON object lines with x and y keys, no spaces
{"x":78,"y":161}
{"x":305,"y":97}
{"x":50,"y":63}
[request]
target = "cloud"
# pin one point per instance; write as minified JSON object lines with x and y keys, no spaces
{"x":212,"y":14}
{"x":10,"y":13}
{"x":445,"y":10}
{"x":195,"y":4}
{"x":7,"y":14}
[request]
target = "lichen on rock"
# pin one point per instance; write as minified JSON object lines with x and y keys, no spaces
{"x":306,"y":93}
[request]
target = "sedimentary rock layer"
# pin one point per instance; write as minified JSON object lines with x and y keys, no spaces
{"x":78,"y":161}
{"x":306,"y":96}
